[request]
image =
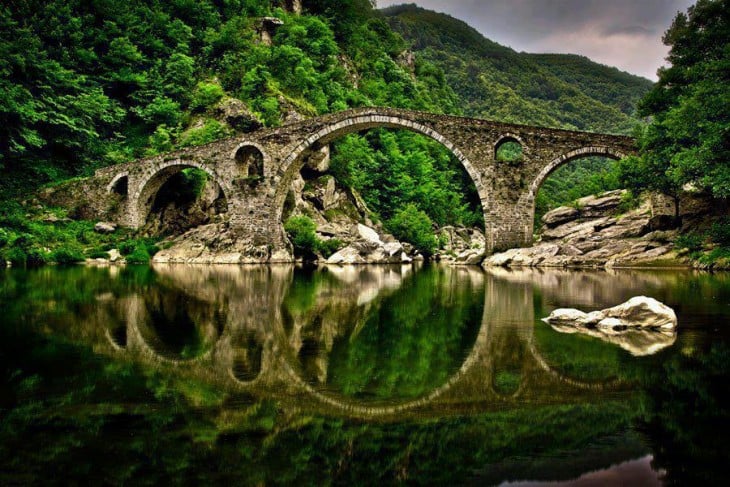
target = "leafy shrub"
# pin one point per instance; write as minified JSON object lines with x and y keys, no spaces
{"x":127,"y":247}
{"x":414,"y":226}
{"x":301,"y":231}
{"x":691,"y":241}
{"x":67,"y":254}
{"x":328,"y":247}
{"x":629,"y":201}
{"x":36,"y":258}
{"x":206,"y":95}
{"x":97,"y":253}
{"x":16,"y":256}
{"x":211,"y":131}
{"x":139,"y":256}
{"x":720,"y":232}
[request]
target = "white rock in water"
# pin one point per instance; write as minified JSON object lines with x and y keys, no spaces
{"x":637,"y":312}
{"x":644,"y":312}
{"x":565,"y":316}
{"x":368,"y":234}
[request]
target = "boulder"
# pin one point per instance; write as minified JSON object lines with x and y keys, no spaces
{"x":346,"y":256}
{"x":566,"y":316}
{"x":368,"y":234}
{"x":560,"y":215}
{"x":470,"y":257}
{"x":641,"y":326}
{"x":236,"y":114}
{"x":638,"y":312}
{"x":105,"y":227}
{"x":644,"y":312}
{"x":601,"y":205}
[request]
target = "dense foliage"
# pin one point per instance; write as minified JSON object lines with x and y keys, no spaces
{"x":87,"y":84}
{"x":688,"y":141}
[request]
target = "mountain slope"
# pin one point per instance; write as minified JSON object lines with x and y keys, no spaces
{"x":497,"y":82}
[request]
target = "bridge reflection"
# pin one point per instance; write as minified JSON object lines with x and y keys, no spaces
{"x":313,"y":338}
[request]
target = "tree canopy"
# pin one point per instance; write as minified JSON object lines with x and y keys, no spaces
{"x":688,"y":139}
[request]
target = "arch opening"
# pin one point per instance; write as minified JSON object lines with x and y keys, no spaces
{"x":398,"y":177}
{"x":120,"y":186}
{"x":572,"y":176}
{"x":250,"y":162}
{"x":179,"y":327}
{"x":181,"y":197}
{"x":247,"y":361}
{"x":509,"y":150}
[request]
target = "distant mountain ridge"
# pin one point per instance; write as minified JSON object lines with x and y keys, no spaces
{"x":494,"y":81}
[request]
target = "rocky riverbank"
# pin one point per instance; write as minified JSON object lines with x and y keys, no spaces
{"x":598,"y":233}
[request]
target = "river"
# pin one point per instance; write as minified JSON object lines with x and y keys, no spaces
{"x":356,"y":375}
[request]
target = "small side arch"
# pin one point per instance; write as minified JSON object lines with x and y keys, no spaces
{"x":510,"y":137}
{"x":142,"y":198}
{"x":119,"y":184}
{"x":251,"y":160}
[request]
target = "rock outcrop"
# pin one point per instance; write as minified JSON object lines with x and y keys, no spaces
{"x":595,"y":233}
{"x":642,"y":325}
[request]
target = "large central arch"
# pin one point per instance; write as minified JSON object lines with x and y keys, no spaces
{"x":293,"y":163}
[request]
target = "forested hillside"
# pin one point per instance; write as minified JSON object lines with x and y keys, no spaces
{"x":493,"y":81}
{"x":86,"y":84}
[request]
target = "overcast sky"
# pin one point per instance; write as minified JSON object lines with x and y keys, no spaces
{"x":622,"y":33}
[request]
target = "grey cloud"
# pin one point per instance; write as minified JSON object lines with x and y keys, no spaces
{"x":631,"y":30}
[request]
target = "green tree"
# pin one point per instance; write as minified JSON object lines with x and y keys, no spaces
{"x":688,"y":140}
{"x":414,"y":226}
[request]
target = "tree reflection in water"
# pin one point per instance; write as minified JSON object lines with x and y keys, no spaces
{"x":274,"y":374}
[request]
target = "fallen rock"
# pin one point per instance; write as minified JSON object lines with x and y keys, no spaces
{"x":346,"y":256}
{"x":643,"y":312}
{"x":368,"y":234}
{"x":641,"y":325}
{"x":561,"y":215}
{"x":105,"y":227}
{"x":470,"y":257}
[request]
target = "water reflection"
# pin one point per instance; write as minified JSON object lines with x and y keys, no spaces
{"x":382,"y":373}
{"x":359,"y":341}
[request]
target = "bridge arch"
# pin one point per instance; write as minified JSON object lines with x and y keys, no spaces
{"x":526,"y":203}
{"x":293,"y":163}
{"x":119,"y":184}
{"x":510,"y":137}
{"x":150,"y":183}
{"x":251,"y":159}
{"x":597,"y":151}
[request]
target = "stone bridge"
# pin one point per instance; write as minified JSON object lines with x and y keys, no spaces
{"x":255,"y":171}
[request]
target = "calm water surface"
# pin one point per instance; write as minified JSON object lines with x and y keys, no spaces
{"x":370,"y":375}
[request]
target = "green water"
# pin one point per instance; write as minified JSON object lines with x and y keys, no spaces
{"x":348,"y":376}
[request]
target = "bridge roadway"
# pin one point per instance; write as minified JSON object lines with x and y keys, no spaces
{"x":255,"y":171}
